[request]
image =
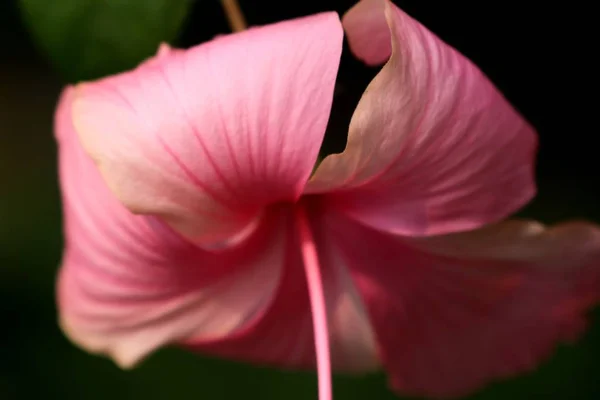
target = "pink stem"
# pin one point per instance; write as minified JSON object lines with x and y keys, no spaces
{"x":317,"y":303}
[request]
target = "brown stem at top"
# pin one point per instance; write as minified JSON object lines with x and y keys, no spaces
{"x":234,"y":14}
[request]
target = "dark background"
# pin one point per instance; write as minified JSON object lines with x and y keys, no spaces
{"x":540,"y":57}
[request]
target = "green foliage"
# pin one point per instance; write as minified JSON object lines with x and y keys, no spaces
{"x":87,"y":39}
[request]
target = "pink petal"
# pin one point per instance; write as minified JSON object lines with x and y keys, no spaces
{"x":453,"y":313}
{"x":433,"y":147}
{"x":206,"y":138}
{"x":129,"y":284}
{"x":367,"y":32}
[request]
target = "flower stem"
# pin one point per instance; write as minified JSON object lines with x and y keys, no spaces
{"x":234,"y":14}
{"x":317,"y":305}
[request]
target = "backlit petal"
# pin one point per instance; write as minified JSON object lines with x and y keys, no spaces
{"x":129,"y":284}
{"x":452,"y":313}
{"x":433,"y":147}
{"x":206,"y":138}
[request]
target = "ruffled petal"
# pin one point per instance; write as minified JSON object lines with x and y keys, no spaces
{"x":433,"y":147}
{"x":129,"y":284}
{"x":452,"y":313}
{"x":206,"y":138}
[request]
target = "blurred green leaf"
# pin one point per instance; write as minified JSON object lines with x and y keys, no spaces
{"x":87,"y":39}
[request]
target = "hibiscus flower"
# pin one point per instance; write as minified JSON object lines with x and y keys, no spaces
{"x":193,"y":215}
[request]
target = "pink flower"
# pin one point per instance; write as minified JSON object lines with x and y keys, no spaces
{"x":191,"y":215}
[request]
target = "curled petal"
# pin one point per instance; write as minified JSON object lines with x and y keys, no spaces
{"x":452,"y":313}
{"x":130,"y":284}
{"x":433,"y":147}
{"x":190,"y":135}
